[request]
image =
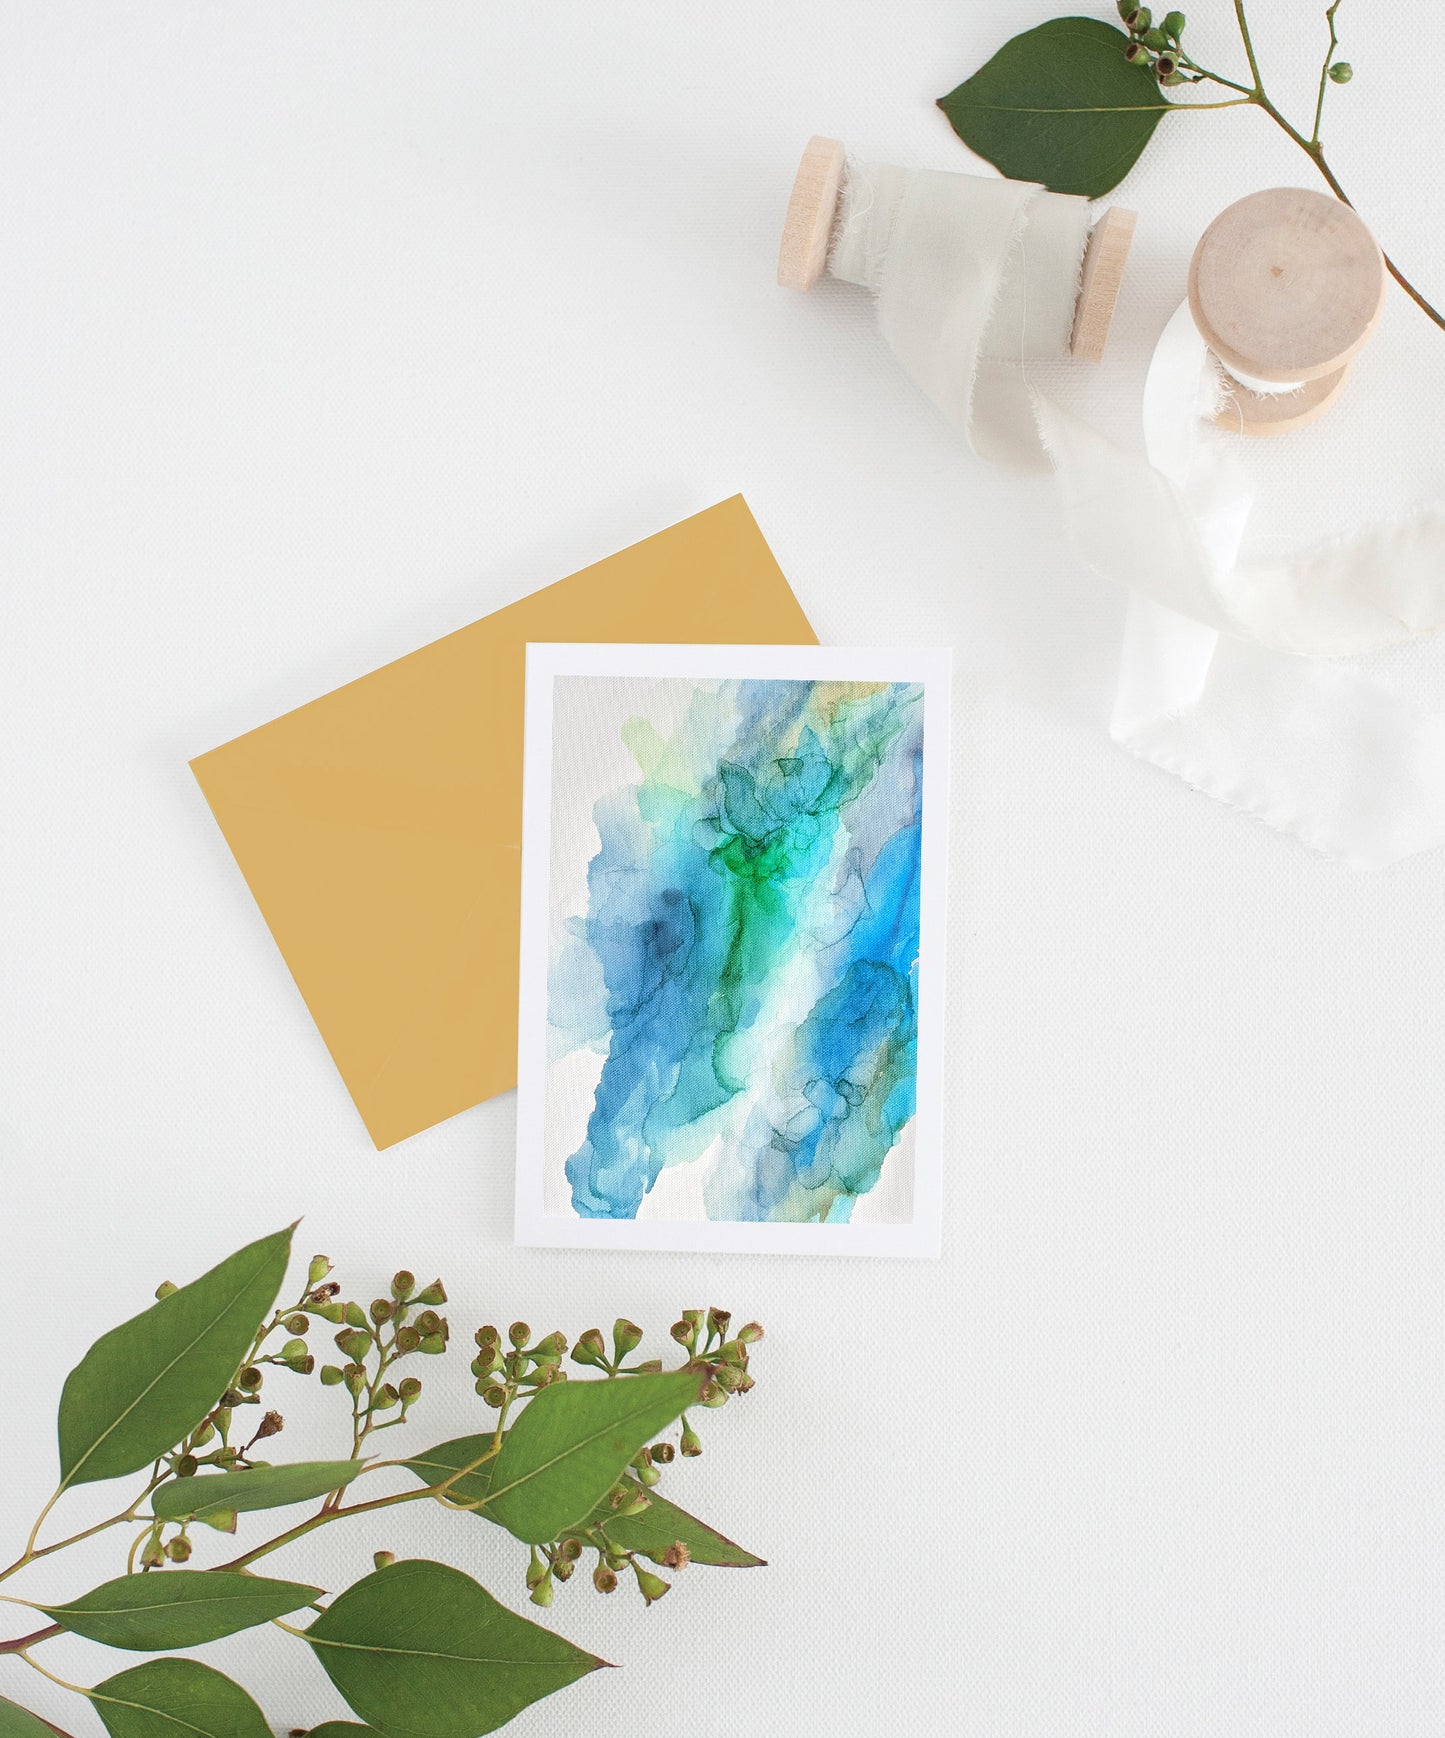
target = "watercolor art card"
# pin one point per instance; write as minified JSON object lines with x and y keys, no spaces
{"x":732,"y":948}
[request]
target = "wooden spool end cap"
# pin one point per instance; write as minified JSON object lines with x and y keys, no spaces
{"x":1287,"y":285}
{"x":1104,"y":260}
{"x":1244,"y":411}
{"x":808,"y":226}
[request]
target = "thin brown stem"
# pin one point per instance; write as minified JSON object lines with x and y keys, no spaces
{"x":1248,"y":44}
{"x":21,"y":1642}
{"x":1330,"y":12}
{"x":323,"y":1517}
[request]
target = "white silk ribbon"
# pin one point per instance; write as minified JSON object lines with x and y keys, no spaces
{"x":1231,"y":676}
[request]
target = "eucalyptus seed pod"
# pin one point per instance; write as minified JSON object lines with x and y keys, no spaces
{"x":382,"y":1310}
{"x":691,"y":1443}
{"x":355,"y":1378}
{"x":682,"y":1333}
{"x":407,"y":1339}
{"x":355,"y":1315}
{"x":329,"y":1312}
{"x":652,"y":1587}
{"x":409,"y":1389}
{"x":495,"y":1395}
{"x":487,"y":1336}
{"x":203,"y":1433}
{"x":590,"y":1348}
{"x":222,"y":1520}
{"x":383,"y":1559}
{"x":563,"y":1571}
{"x":536,"y":1569}
{"x":1174,"y":25}
{"x":662,"y":1453}
{"x":297,"y":1323}
{"x":403,"y":1284}
{"x":185,"y":1466}
{"x":222,"y":1417}
{"x":318,"y":1270}
{"x":250,"y":1379}
{"x":626,"y":1337}
{"x":354,"y":1342}
{"x":331,"y":1374}
{"x":542,"y":1592}
{"x":717,"y":1322}
{"x":1342,"y":72}
{"x":431,"y":1344}
{"x":387,"y":1397}
{"x":167,"y":1288}
{"x":429,"y":1322}
{"x":293,"y":1349}
{"x":570,"y":1550}
{"x":179,"y":1548}
{"x":435,"y":1293}
{"x":751,"y":1333}
{"x":604,"y":1579}
{"x":519,"y":1333}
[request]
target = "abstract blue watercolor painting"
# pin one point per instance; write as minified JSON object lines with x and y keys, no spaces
{"x":733,"y":947}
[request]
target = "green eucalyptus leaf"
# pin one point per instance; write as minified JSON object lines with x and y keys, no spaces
{"x":177,"y":1699}
{"x":651,"y":1533}
{"x":18,"y":1722}
{"x":341,"y":1729}
{"x":142,"y":1386}
{"x":435,"y":1464}
{"x":1060,"y":105}
{"x":177,"y":1608}
{"x":419,"y":1650}
{"x":261,"y":1487}
{"x":573,"y":1443}
{"x":661,"y":1525}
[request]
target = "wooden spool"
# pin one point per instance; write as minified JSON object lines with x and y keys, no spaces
{"x":1286,"y":287}
{"x":808,"y":230}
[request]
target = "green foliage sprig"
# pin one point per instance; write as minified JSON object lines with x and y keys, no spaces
{"x":416,"y":1648}
{"x":1073,"y":103}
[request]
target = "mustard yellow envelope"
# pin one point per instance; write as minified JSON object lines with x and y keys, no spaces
{"x":380,"y":827}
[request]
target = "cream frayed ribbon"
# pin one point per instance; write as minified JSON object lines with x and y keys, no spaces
{"x":1230,"y":675}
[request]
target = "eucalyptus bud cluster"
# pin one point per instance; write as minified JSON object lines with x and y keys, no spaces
{"x":1157,"y":46}
{"x":501,"y":1373}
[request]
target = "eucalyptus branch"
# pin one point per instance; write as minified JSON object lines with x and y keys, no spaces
{"x":1160,"y":48}
{"x":572,"y":1457}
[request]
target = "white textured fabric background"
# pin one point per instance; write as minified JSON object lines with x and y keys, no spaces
{"x":324,"y":330}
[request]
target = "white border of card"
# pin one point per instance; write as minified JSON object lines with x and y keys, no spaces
{"x":534,"y":1225}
